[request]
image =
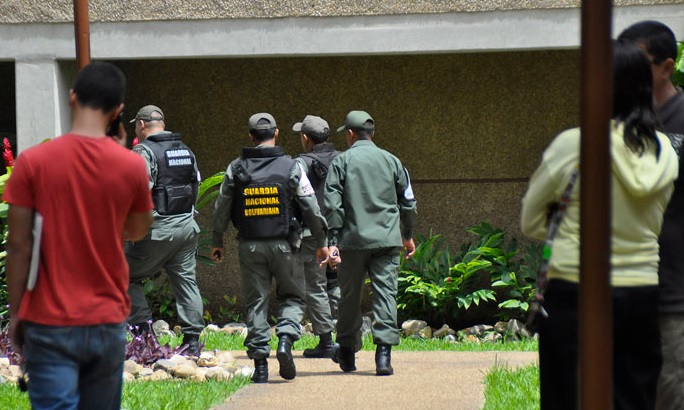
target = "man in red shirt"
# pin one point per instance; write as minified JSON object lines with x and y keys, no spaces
{"x":92,"y":194}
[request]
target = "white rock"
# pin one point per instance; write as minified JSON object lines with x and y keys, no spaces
{"x":207,"y":359}
{"x":411,"y":327}
{"x":127,"y":377}
{"x":145,"y":372}
{"x":219,"y":374}
{"x":4,"y":362}
{"x":184,"y":371}
{"x":160,"y":327}
{"x":132,"y":367}
{"x":160,"y":375}
{"x":211,"y":328}
{"x":15,"y":371}
{"x":225,"y":356}
{"x":178,"y":359}
{"x":245,"y":371}
{"x":164,"y":364}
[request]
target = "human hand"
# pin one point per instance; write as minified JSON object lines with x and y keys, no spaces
{"x":217,"y":254}
{"x":335,"y":258}
{"x":16,"y":334}
{"x":121,"y":136}
{"x":409,"y":247}
{"x":322,"y":256}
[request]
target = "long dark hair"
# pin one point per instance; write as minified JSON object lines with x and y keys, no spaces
{"x":633,"y":96}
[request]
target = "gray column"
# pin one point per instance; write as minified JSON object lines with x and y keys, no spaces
{"x":42,"y":101}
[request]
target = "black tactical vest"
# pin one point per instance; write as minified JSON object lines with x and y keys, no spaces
{"x":263,"y":202}
{"x":317,"y":163}
{"x":175,"y":190}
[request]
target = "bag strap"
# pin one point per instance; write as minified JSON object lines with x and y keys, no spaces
{"x":554,"y":223}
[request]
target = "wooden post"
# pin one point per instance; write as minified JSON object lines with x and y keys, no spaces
{"x":595,"y":303}
{"x":82,"y":33}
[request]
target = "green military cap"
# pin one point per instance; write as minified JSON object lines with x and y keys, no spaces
{"x":356,"y":120}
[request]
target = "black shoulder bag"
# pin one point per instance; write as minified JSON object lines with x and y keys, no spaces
{"x":536,"y":311}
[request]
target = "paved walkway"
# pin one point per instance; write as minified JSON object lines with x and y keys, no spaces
{"x":440,"y":379}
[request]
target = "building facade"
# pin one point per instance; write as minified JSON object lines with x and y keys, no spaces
{"x":466,"y":93}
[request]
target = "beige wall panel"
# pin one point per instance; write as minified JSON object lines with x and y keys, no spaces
{"x":469,"y":127}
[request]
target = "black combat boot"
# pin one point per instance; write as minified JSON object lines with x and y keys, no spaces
{"x":260,"y":374}
{"x":383,"y":360}
{"x":344,"y":356}
{"x":323,"y":349}
{"x":288,"y":371}
{"x":194,"y":347}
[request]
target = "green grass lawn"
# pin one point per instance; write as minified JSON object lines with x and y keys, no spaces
{"x":224,"y":342}
{"x":505,"y":389}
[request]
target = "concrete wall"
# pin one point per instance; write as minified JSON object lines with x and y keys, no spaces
{"x":22,"y":11}
{"x":469,"y":127}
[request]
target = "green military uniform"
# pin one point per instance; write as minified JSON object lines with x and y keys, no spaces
{"x":318,"y":299}
{"x":171,"y":245}
{"x":267,"y":258}
{"x":367,"y":197}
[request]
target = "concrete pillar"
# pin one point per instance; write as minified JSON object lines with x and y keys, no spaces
{"x":42,"y":101}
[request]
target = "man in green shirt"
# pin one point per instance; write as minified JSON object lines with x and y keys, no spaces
{"x":371,"y":212}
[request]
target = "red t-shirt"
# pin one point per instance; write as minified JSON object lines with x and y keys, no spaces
{"x":84,"y":188}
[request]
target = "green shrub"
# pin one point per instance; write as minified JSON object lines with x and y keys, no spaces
{"x":8,"y":158}
{"x":439,"y":287}
{"x":160,"y":298}
{"x":678,"y":75}
{"x":207,"y":193}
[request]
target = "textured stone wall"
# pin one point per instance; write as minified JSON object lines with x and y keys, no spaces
{"x":469,"y":127}
{"x":23,"y":11}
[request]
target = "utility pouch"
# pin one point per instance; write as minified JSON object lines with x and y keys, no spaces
{"x":320,"y":170}
{"x":295,"y":235}
{"x":241,"y":174}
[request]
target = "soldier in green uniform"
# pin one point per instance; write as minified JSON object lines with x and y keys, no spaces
{"x":263,"y":192}
{"x":371,"y":212}
{"x":314,"y":132}
{"x":172,"y":241}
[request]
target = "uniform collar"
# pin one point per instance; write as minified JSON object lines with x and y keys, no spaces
{"x":363,"y":143}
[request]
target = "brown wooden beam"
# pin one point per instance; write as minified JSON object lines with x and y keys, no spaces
{"x":595,"y":306}
{"x":82,"y":33}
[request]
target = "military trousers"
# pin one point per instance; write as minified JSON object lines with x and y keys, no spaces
{"x":261,"y":261}
{"x":318,"y":307}
{"x":177,"y":257}
{"x":382,"y":267}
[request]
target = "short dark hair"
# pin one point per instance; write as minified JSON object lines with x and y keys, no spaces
{"x":658,"y":39}
{"x":264,"y":134}
{"x":319,"y":138}
{"x":633,"y":95}
{"x":365,"y":133}
{"x":100,"y":86}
